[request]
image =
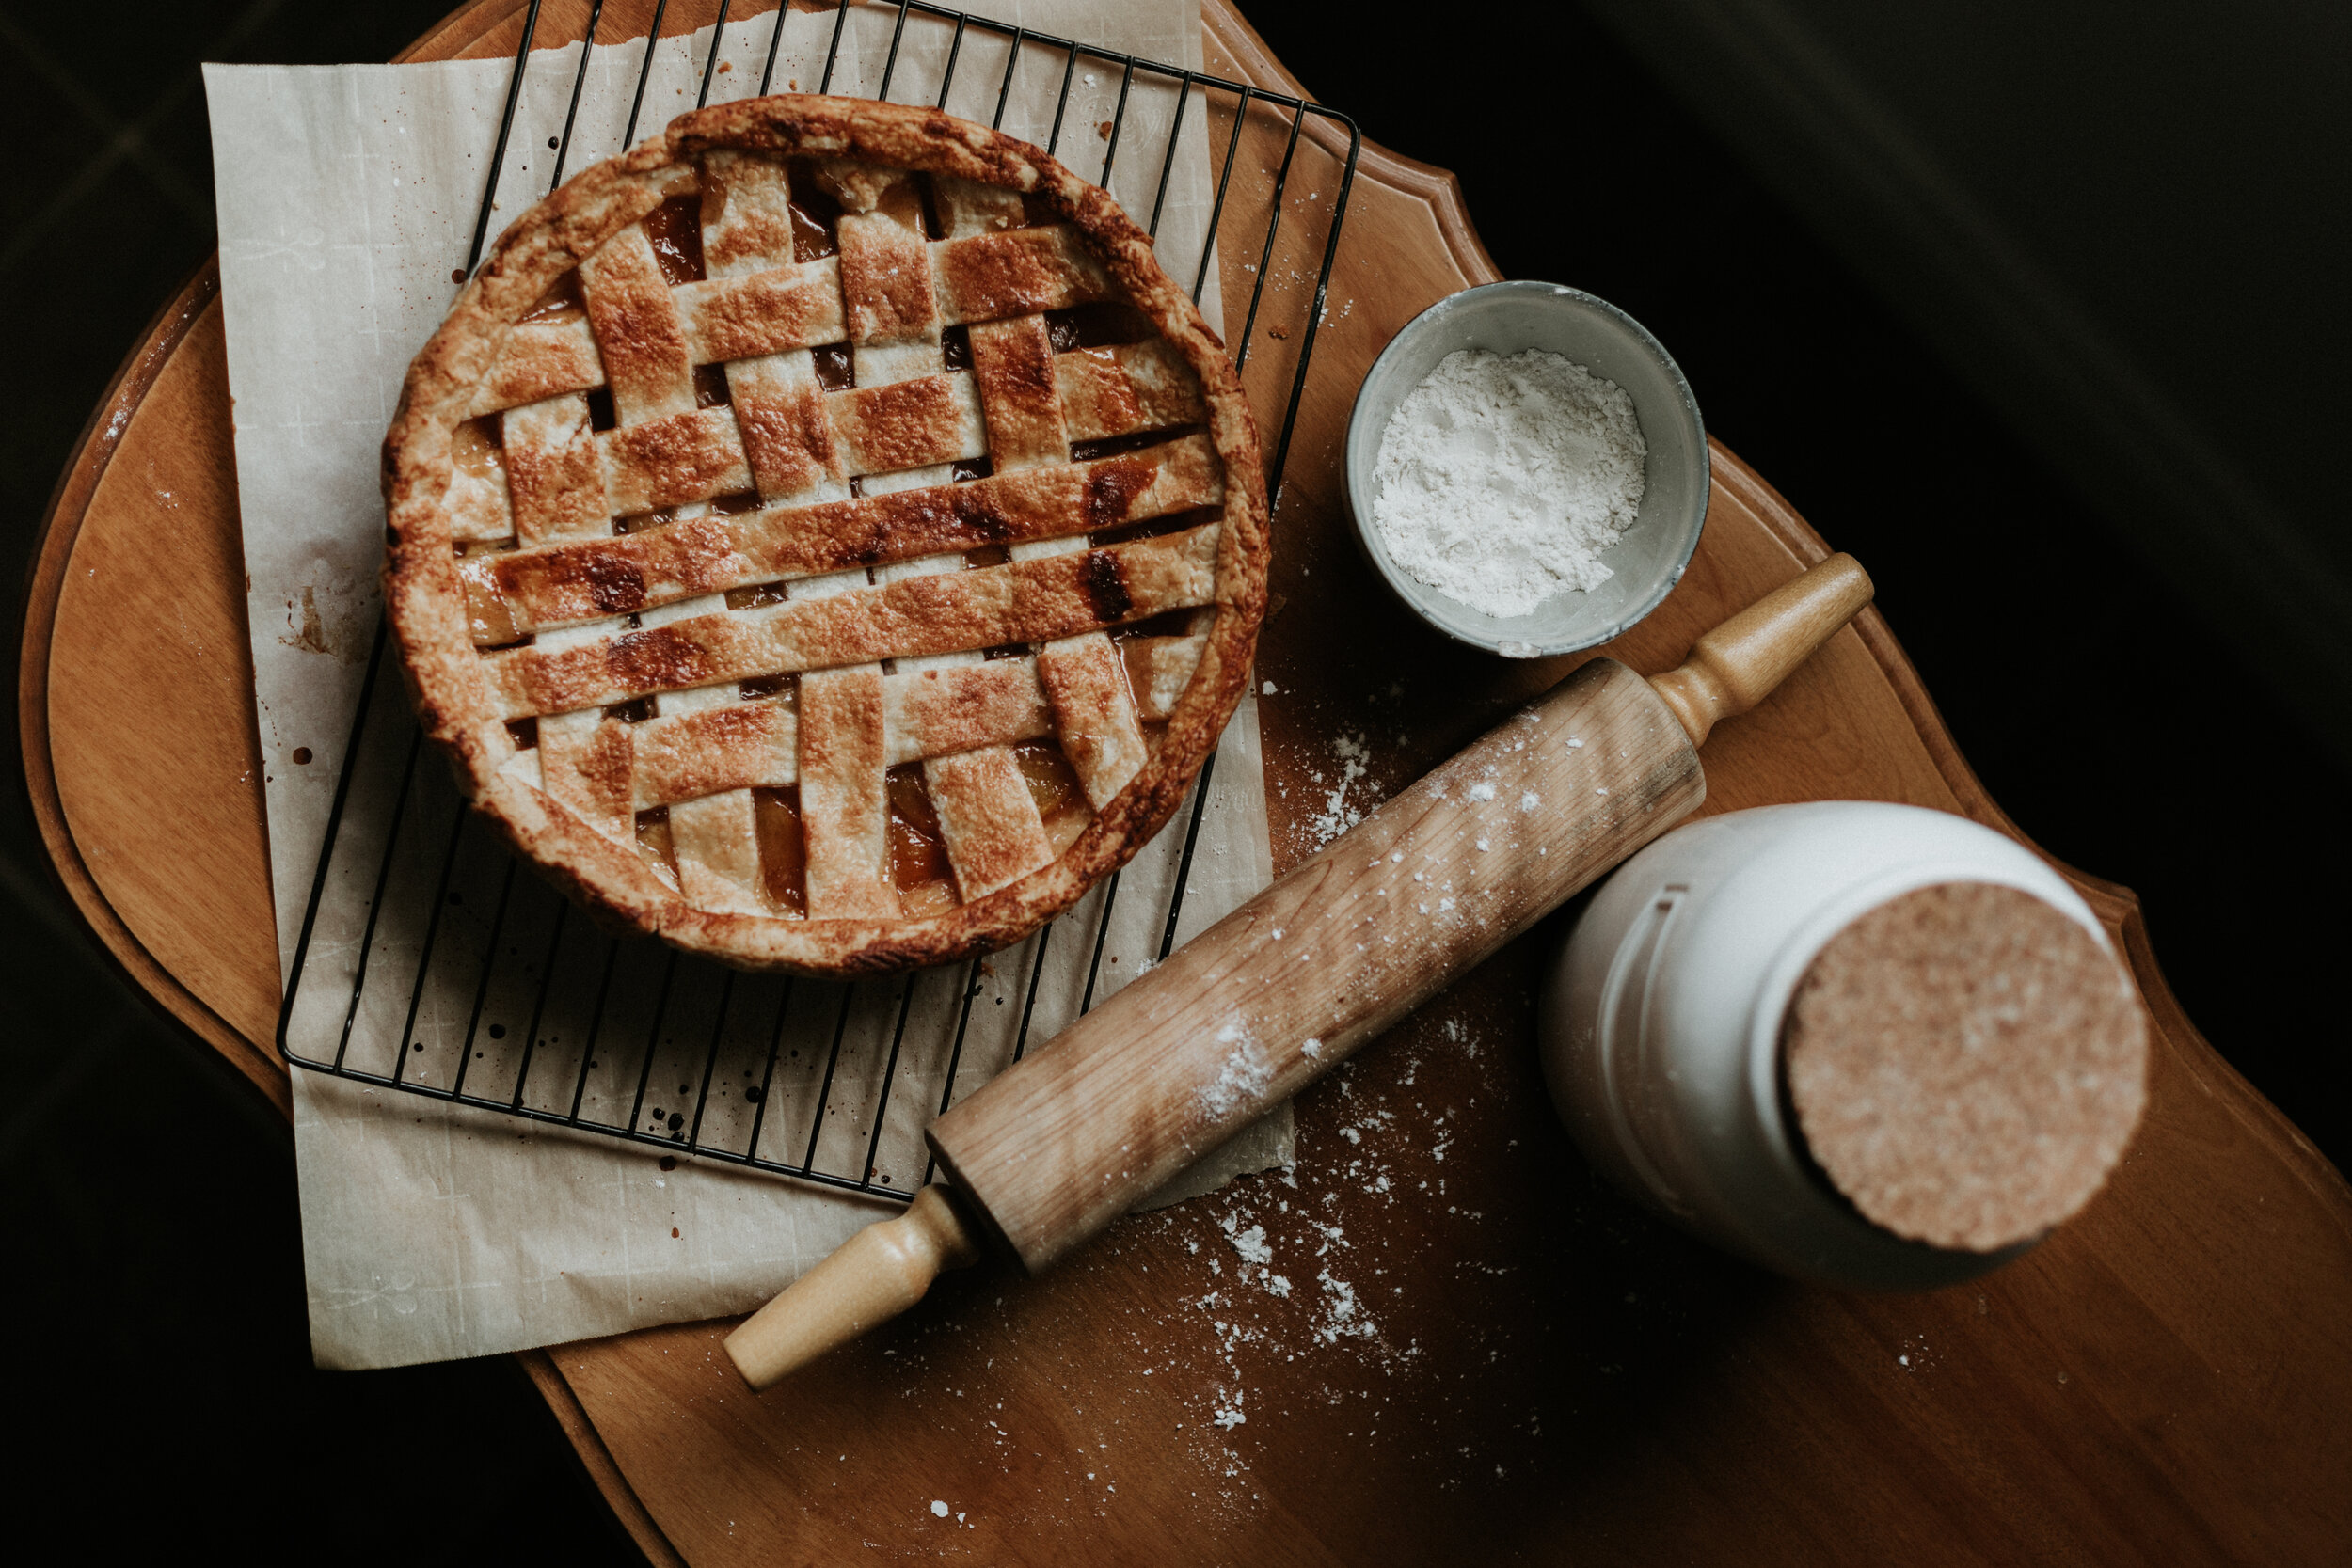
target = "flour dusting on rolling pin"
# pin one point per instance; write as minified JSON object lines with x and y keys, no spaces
{"x":1502,"y":478}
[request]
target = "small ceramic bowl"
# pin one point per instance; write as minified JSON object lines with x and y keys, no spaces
{"x":1648,"y":560}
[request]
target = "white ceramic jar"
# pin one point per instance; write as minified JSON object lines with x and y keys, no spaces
{"x":1660,"y":1019}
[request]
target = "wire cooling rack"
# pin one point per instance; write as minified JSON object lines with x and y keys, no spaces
{"x":416,"y":902}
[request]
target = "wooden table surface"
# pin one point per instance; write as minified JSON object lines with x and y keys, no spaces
{"x":1484,"y":1353}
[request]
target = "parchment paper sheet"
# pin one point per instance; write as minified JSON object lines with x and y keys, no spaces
{"x":346,"y":196}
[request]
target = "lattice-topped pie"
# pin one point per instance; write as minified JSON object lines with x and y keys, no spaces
{"x":824,"y":537}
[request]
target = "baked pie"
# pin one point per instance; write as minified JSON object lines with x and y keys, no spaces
{"x":823,"y":537}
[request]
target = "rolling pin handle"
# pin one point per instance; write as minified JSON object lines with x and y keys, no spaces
{"x":878,"y":1273}
{"x":1737,"y":665}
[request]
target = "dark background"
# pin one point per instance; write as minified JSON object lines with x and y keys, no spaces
{"x":2037,"y":310}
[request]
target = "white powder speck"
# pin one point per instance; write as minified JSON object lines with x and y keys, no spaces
{"x":1481,"y":843}
{"x":1503,"y":478}
{"x":1277,"y":1286}
{"x":1337,"y":817}
{"x":939,"y":1508}
{"x":1244,"y":1076}
{"x":1482,"y":791}
{"x":1344,"y":1317}
{"x":1395,"y":855}
{"x":1530,"y":800}
{"x":1230,"y":1416}
{"x":1267,"y":689}
{"x":1251,"y":1243}
{"x":1313,"y":1047}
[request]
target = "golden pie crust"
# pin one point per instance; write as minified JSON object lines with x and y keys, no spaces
{"x":664,"y":587}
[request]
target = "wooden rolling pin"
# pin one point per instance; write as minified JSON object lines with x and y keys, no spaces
{"x":1282,"y":990}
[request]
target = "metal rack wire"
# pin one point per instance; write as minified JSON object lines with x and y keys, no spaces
{"x":419,"y":901}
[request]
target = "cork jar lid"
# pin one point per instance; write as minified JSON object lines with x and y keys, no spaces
{"x":1966,"y":1064}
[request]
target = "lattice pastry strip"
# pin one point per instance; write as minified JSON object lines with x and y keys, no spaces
{"x":990,"y":826}
{"x":889,"y":300}
{"x":981,"y":278}
{"x":779,"y":405}
{"x":790,"y":439}
{"x":967,"y":208}
{"x":554,"y":471}
{"x":845,"y":798}
{"x":926,"y":713}
{"x":988,"y":820}
{"x":586,"y":759}
{"x":746,"y":225}
{"x":639,"y":335}
{"x":1022,"y":601}
{"x":712,"y":840}
{"x":1085,"y":680}
{"x":811,"y":563}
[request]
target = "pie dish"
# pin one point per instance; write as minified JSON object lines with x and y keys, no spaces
{"x":823,"y":537}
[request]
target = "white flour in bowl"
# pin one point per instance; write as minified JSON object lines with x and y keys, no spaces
{"x":1502,"y":478}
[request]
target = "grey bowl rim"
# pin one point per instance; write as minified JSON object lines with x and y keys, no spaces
{"x":1407,"y":592}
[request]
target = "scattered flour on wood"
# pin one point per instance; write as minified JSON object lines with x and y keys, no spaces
{"x":1342,"y":1316}
{"x":1337,"y":815}
{"x":1251,"y":1243}
{"x":1502,"y":478}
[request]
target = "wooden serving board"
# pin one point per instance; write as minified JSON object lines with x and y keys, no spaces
{"x":1483,"y":1353}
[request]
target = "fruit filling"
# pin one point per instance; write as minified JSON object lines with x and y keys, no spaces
{"x":675,"y":228}
{"x":474,"y":448}
{"x":783,"y":853}
{"x":1053,"y":785}
{"x":653,"y":843}
{"x":918,"y":855}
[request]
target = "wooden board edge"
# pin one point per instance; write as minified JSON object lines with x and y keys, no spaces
{"x":465,"y":25}
{"x":483,"y":29}
{"x":60,"y":530}
{"x":2215,"y":1076}
{"x":1439,"y":187}
{"x":1732,"y":473}
{"x":539,"y":1366}
{"x":2116,"y":904}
